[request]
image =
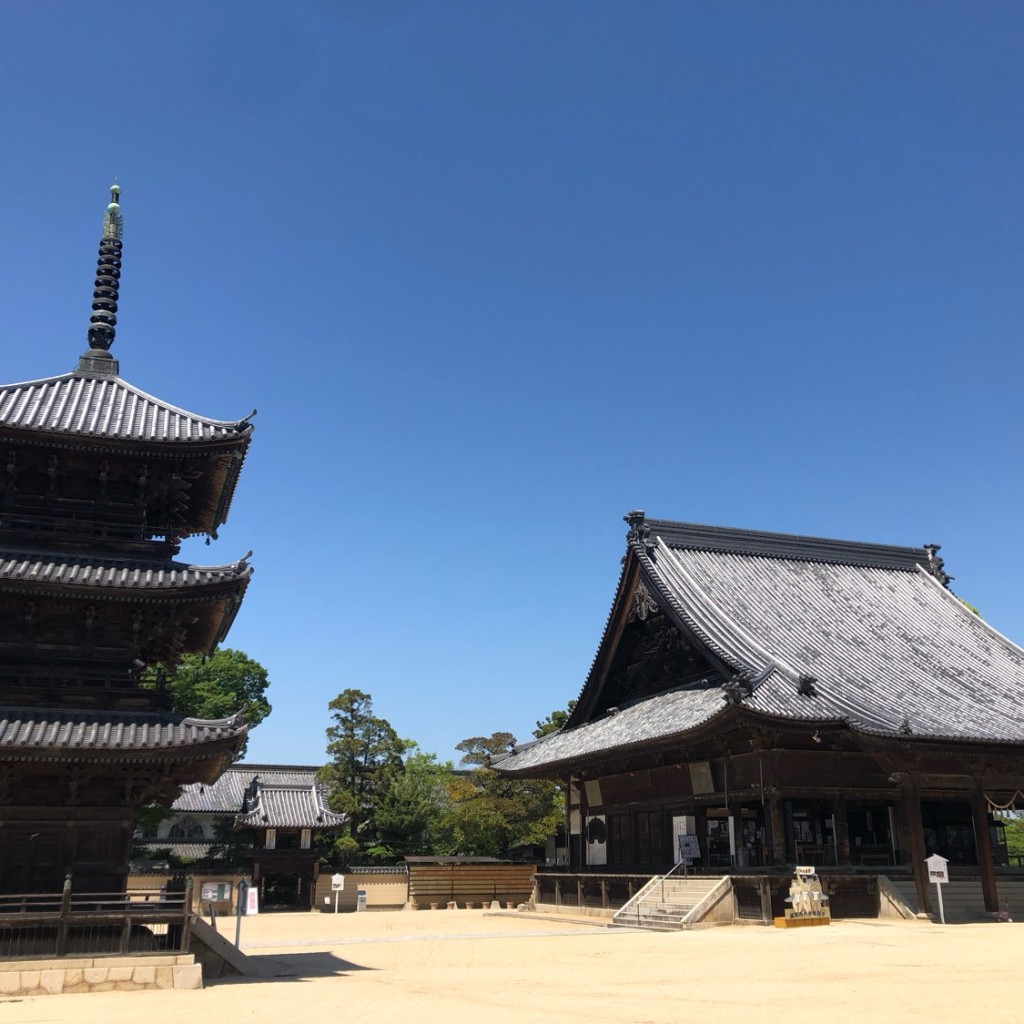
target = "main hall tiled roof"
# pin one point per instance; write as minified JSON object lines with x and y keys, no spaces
{"x":106,"y":407}
{"x":818,"y":631}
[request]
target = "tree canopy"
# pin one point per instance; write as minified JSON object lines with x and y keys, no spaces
{"x":220,"y":685}
{"x":365,"y":755}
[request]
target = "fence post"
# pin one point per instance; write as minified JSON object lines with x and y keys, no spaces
{"x":186,"y":914}
{"x":604,"y":894}
{"x":558,"y":892}
{"x":579,"y":891}
{"x":65,"y":910}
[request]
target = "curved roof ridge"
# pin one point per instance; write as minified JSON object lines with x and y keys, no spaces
{"x":787,"y":545}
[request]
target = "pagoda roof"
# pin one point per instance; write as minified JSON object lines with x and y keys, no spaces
{"x":98,"y":574}
{"x":104,"y":407}
{"x":799,"y":630}
{"x":46,"y":732}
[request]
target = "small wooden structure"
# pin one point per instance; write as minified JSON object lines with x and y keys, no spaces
{"x":435,"y":882}
{"x":279,"y":809}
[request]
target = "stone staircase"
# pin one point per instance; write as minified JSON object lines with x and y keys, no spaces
{"x":674,"y":903}
{"x":963,"y":901}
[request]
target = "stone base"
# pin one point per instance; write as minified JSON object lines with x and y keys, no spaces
{"x":801,"y":922}
{"x":98,"y":974}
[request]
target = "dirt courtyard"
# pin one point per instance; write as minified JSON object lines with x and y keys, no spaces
{"x":437,"y":967}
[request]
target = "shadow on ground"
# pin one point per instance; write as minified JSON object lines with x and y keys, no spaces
{"x":291,"y":967}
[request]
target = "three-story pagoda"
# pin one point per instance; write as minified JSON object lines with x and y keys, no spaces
{"x":99,"y":482}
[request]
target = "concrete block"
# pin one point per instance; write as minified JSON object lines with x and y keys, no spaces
{"x":102,"y":986}
{"x":52,"y":982}
{"x":10,"y":983}
{"x":119,"y":973}
{"x":94,"y":975}
{"x":73,"y":976}
{"x":187,"y":977}
{"x":29,"y":981}
{"x":144,"y":975}
{"x":165,"y":977}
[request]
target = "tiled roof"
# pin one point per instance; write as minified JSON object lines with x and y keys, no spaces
{"x":890,"y":650}
{"x":37,"y":731}
{"x":264,"y":796}
{"x":106,"y":407}
{"x":115,"y":573}
{"x":186,"y":851}
{"x":289,"y":807}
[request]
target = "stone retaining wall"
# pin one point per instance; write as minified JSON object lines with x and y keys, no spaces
{"x":98,"y":974}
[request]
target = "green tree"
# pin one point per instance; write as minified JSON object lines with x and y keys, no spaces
{"x":411,"y":815}
{"x":495,"y":815}
{"x":554,"y":721}
{"x":366,"y":755}
{"x":218,"y":686}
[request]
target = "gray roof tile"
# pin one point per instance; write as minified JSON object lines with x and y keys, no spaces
{"x":106,"y":407}
{"x":44,"y":729}
{"x":264,"y":796}
{"x":891,"y":650}
{"x":114,"y":573}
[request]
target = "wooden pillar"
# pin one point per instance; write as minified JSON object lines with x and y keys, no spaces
{"x":842,"y":827}
{"x":983,"y":843}
{"x":700,"y":821}
{"x":910,"y":808}
{"x":778,"y":827}
{"x":584,"y":811}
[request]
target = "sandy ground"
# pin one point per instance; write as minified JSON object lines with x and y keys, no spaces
{"x":465,"y":965}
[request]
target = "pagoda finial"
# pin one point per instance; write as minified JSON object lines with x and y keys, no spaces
{"x":105,"y":291}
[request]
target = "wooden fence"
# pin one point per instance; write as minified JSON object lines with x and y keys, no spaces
{"x":437,"y":885}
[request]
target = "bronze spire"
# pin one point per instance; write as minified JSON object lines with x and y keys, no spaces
{"x":104,"y":296}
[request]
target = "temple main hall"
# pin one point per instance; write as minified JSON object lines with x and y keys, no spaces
{"x":761,"y":700}
{"x":100,"y":483}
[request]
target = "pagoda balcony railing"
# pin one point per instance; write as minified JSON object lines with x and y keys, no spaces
{"x":69,"y":924}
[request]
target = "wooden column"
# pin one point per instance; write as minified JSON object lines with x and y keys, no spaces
{"x":983,"y":842}
{"x":910,"y":810}
{"x":778,"y":827}
{"x":842,"y":827}
{"x":584,"y":811}
{"x":700,"y":821}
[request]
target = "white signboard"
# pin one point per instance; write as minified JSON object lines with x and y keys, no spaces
{"x":938,"y":869}
{"x":337,"y":883}
{"x":252,"y":900}
{"x":938,"y":872}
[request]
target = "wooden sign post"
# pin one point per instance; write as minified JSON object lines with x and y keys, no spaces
{"x":939,"y":874}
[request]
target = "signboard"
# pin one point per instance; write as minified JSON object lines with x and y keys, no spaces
{"x":215,"y":892}
{"x":252,"y":900}
{"x":938,"y":869}
{"x":689,"y":848}
{"x":938,"y":872}
{"x":337,"y":883}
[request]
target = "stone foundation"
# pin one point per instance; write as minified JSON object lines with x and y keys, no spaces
{"x":98,"y":974}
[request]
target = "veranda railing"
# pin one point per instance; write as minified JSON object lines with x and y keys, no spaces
{"x":52,"y":925}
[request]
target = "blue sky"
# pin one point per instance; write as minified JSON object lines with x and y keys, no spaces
{"x":495,"y":273}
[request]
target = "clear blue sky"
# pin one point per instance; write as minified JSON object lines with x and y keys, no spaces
{"x":495,"y":273}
